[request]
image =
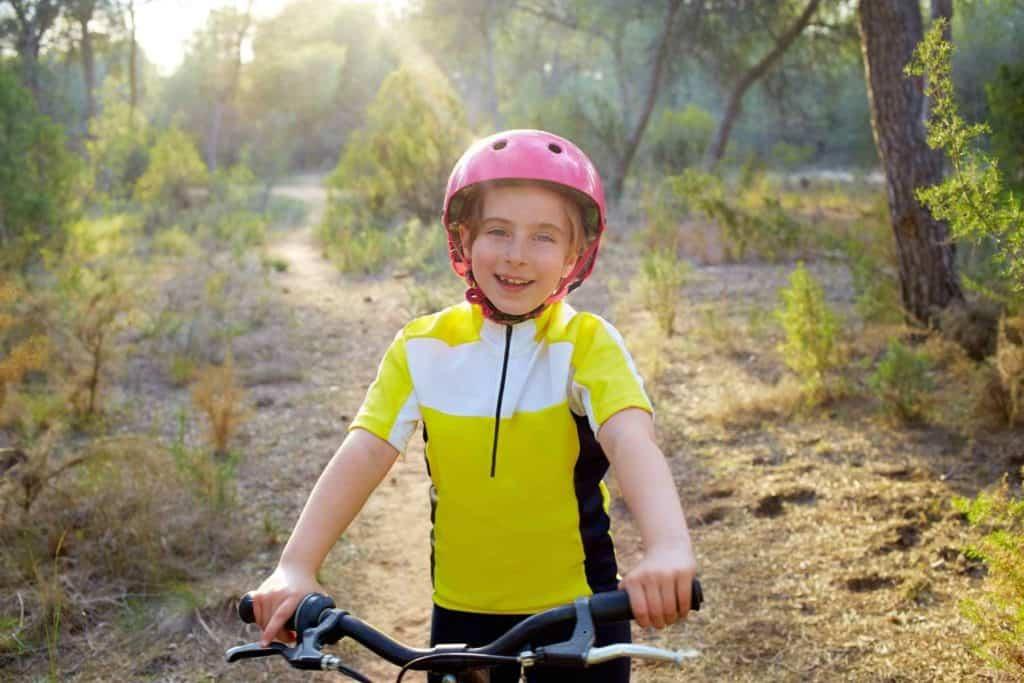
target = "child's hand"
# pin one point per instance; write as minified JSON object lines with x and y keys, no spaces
{"x":659,"y":586}
{"x":276,"y":599}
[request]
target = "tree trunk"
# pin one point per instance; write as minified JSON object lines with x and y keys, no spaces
{"x":890,"y":30}
{"x":133,"y":58}
{"x":32,"y":21}
{"x":633,"y":141}
{"x":88,"y":71}
{"x":716,"y":150}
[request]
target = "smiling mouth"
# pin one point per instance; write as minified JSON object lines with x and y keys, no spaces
{"x":512,"y":281}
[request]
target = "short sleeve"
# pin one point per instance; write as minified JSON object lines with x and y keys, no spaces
{"x":390,"y":409}
{"x":604,"y":378}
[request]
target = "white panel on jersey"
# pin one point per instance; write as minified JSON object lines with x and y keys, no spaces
{"x":464,"y":379}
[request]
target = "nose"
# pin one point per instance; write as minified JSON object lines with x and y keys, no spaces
{"x":515,"y":249}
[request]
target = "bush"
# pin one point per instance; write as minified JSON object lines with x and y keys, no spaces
{"x":394,"y":167}
{"x":94,"y":297}
{"x":19,"y":353}
{"x":997,"y":613}
{"x":749,"y":219}
{"x":216,"y":392}
{"x":1005,"y":95}
{"x":117,"y":144}
{"x":811,"y":348}
{"x":662,"y":277}
{"x":971,"y":199}
{"x":37,"y":177}
{"x":901,"y":381}
{"x":678,"y":137}
{"x":174,"y":167}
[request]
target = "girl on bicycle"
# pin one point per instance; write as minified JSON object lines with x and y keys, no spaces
{"x":524,"y":403}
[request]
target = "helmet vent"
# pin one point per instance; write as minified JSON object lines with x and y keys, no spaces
{"x":499,"y":145}
{"x":555,"y":148}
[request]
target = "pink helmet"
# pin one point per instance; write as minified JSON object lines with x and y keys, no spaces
{"x":526,"y":155}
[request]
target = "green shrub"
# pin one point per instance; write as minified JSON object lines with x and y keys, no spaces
{"x":749,"y":217}
{"x":394,"y":166}
{"x":902,"y":381}
{"x":998,"y":612}
{"x":175,"y":242}
{"x":38,"y":177}
{"x":790,"y":157}
{"x":972,"y":198}
{"x":117,"y":144}
{"x":174,"y":167}
{"x":662,"y":276}
{"x":678,"y":137}
{"x":1005,"y":95}
{"x":811,"y":347}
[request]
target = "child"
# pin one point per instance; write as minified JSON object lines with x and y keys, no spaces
{"x":524,"y":402}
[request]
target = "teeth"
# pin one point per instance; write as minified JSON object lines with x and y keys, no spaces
{"x":512,"y":280}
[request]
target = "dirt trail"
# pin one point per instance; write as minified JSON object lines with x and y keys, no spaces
{"x":340,"y":329}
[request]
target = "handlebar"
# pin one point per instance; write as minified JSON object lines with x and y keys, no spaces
{"x":317,"y":622}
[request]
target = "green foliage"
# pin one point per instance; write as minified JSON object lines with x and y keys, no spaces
{"x":998,"y":612}
{"x":394,"y":166}
{"x":749,"y":217}
{"x":117,"y":144}
{"x":811,"y":347}
{"x":662,"y":276}
{"x":790,"y":157}
{"x":93,"y":298}
{"x":1005,"y":94}
{"x":211,"y":480}
{"x":971,"y":199}
{"x":902,"y":380}
{"x":174,"y":167}
{"x":176,"y":243}
{"x":37,"y":176}
{"x":677,"y":138}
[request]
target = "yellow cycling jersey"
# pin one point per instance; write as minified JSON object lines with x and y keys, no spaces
{"x":509,"y":413}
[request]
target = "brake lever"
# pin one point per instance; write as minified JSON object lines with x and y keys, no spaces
{"x":255,"y":651}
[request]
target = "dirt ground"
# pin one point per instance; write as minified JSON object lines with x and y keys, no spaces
{"x":827,"y":545}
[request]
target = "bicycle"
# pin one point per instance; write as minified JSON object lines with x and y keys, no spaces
{"x":317,"y":622}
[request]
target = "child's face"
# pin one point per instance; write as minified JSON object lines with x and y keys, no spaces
{"x":522,"y":246}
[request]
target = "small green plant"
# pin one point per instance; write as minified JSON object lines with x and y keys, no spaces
{"x":902,"y":381}
{"x":997,"y":613}
{"x":749,"y":218}
{"x":972,"y":198}
{"x":212,"y":480}
{"x":275,"y":263}
{"x":662,"y":276}
{"x":811,"y":347}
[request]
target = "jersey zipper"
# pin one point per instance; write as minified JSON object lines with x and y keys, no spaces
{"x":501,"y":393}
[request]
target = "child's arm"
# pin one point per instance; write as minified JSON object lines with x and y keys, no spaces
{"x":659,"y":585}
{"x":356,"y":469}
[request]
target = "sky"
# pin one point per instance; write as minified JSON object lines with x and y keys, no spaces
{"x":165,"y":26}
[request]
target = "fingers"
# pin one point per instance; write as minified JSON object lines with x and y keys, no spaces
{"x":669,"y":600}
{"x":637,"y":602}
{"x":276,"y":622}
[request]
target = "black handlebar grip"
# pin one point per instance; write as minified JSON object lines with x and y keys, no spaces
{"x":307,"y":613}
{"x":614,"y":606}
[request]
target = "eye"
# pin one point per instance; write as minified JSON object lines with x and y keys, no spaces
{"x":496,"y":230}
{"x":546,"y":237}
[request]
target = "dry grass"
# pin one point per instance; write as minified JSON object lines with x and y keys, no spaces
{"x":827,"y":540}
